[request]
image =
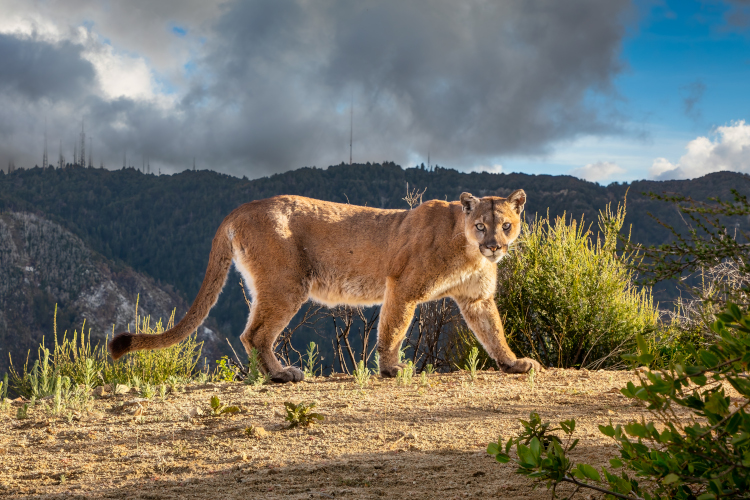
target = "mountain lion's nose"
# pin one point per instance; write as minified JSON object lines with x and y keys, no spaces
{"x":493,"y":248}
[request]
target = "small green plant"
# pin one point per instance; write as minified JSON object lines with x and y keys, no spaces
{"x":532,"y":374}
{"x":361,"y":375}
{"x":311,"y":359}
{"x":255,"y":375}
{"x":423,"y":379}
{"x":376,"y":358}
{"x":23,"y":411}
{"x":301,"y":414}
{"x":63,"y":478}
{"x":148,"y":391}
{"x":406,"y":374}
{"x":202,"y":377}
{"x":225,"y":371}
{"x":163,"y":391}
{"x":472,"y":362}
{"x":429,"y":368}
{"x":218,"y":409}
{"x":58,"y":399}
{"x":4,"y":388}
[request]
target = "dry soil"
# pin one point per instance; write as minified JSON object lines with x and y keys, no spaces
{"x":387,"y":440}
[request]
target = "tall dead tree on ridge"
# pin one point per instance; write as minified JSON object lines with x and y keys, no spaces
{"x":83,"y":145}
{"x":44,"y":159}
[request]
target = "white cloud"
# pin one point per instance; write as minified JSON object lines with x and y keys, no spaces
{"x":595,"y":172}
{"x":729,"y":151}
{"x":493,"y":169}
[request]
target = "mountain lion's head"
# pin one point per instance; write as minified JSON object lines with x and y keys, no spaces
{"x":492,"y":223}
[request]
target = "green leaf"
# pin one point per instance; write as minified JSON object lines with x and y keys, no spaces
{"x":614,"y":462}
{"x":671,"y":478}
{"x":642,"y":345}
{"x":735,"y":312}
{"x":608,"y":430}
{"x":502,"y":458}
{"x":706,"y":496}
{"x":536,"y":448}
{"x":589,"y":472}
{"x":215,"y":403}
{"x":230,"y":409}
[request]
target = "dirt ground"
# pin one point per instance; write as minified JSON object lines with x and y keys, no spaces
{"x":388,"y":440}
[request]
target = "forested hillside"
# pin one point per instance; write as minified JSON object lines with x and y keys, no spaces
{"x":42,"y":264}
{"x":162,"y":226}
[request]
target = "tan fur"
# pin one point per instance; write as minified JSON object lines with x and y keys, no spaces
{"x":290,"y":249}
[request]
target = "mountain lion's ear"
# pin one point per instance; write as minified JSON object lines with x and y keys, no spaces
{"x":517,"y":200}
{"x":468,"y":201}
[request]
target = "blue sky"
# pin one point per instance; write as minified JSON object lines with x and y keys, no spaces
{"x":607,"y":91}
{"x":686,"y":71}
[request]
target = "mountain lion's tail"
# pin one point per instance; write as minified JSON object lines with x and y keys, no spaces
{"x":219,"y":262}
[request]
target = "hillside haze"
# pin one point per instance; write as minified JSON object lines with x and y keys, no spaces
{"x":162,"y":226}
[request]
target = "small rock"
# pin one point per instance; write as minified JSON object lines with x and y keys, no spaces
{"x":490,"y":369}
{"x":277,"y":413}
{"x":257,"y":432}
{"x":99,"y":392}
{"x":195,"y":412}
{"x":411,"y":435}
{"x":610,"y":412}
{"x":517,"y":397}
{"x":642,"y":369}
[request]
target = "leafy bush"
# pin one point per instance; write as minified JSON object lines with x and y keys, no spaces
{"x":568,"y":298}
{"x":79,"y":362}
{"x":301,"y":414}
{"x":703,"y":457}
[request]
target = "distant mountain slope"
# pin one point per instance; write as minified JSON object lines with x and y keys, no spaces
{"x":163,"y":225}
{"x":43,"y":264}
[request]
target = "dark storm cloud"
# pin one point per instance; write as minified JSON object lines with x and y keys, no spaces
{"x":37,"y":69}
{"x":272,"y":86}
{"x":466,"y":81}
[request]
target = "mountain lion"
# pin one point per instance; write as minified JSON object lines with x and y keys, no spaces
{"x":290,"y":249}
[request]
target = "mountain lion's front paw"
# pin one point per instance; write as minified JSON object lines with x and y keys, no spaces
{"x":523,"y":365}
{"x":392,"y":371}
{"x":288,"y":374}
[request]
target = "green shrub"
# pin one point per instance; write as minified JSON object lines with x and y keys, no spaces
{"x":703,"y":456}
{"x":79,"y":362}
{"x":568,"y":298}
{"x":154,"y":366}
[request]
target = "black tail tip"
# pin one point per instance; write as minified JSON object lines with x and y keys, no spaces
{"x":120,"y":345}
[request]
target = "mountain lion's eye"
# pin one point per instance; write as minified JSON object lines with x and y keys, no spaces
{"x":506,"y":226}
{"x":480,"y":227}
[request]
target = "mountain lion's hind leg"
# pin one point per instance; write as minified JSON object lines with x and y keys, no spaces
{"x":484,"y":320}
{"x":268,"y":317}
{"x":395,"y":316}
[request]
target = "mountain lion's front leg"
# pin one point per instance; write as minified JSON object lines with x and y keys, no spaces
{"x":395,"y":316}
{"x":484,"y":320}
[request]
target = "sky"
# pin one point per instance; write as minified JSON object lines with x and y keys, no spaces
{"x":606,"y":91}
